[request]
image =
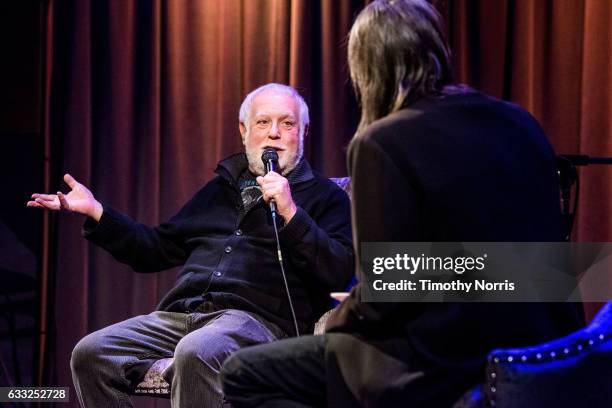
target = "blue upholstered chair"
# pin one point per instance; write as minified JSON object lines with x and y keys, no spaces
{"x":569,"y":372}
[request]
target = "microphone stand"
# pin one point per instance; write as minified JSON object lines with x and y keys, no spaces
{"x":568,"y":176}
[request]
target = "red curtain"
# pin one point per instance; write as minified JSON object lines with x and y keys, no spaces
{"x":143,"y":95}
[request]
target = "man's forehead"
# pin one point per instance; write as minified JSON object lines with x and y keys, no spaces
{"x":270,"y":112}
{"x":271,"y":102}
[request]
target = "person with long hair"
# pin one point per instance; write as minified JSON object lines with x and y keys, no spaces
{"x":431,"y":161}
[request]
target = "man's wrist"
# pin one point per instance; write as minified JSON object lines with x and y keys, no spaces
{"x":290,"y":213}
{"x":97,"y":212}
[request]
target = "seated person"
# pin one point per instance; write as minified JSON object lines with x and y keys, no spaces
{"x":230,"y":293}
{"x":432,"y":161}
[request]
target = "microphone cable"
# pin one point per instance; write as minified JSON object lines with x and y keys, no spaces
{"x":280,"y":262}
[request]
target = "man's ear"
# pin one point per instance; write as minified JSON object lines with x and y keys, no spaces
{"x":306,"y":129}
{"x":242,"y":131}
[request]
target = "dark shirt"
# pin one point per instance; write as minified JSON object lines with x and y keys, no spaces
{"x":249,"y":190}
{"x":229,"y":251}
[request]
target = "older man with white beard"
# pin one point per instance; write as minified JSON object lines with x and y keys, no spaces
{"x":230,"y":293}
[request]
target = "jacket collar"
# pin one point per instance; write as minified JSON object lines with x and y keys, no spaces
{"x":231,"y":167}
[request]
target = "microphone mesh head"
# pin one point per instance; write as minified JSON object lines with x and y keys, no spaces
{"x":269,"y":155}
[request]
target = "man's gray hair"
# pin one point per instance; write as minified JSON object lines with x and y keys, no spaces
{"x":245,"y":108}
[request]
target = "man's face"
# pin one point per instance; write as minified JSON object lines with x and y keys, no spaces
{"x":273,"y":123}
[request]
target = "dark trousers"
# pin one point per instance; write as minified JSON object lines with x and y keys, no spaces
{"x":285,"y":374}
{"x":339,"y":370}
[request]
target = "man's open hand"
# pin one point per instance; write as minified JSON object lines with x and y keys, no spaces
{"x":79,"y":200}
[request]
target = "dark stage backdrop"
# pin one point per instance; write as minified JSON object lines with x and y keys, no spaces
{"x":142,"y":101}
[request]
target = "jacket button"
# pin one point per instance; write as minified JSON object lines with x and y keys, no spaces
{"x":217,"y":273}
{"x":238,"y":232}
{"x":228,"y":249}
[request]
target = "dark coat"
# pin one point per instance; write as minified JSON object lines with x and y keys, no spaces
{"x":230,"y":257}
{"x":459,"y":168}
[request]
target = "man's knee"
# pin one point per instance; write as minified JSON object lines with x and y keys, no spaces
{"x":185,"y":354}
{"x":191,"y":350}
{"x":210,"y":352}
{"x":86,"y":353}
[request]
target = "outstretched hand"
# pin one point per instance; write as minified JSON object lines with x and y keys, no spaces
{"x":79,"y":200}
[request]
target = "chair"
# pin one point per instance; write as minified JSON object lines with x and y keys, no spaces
{"x":572,"y":371}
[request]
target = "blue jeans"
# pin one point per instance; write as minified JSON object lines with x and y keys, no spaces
{"x":108,"y":364}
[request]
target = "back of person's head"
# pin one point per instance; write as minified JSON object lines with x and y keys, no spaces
{"x":397,"y":53}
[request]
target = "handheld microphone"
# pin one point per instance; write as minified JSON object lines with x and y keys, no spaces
{"x":269,"y":157}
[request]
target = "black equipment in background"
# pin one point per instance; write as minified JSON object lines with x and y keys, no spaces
{"x":568,"y":176}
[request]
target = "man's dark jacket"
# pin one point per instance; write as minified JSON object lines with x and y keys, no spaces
{"x":230,"y":256}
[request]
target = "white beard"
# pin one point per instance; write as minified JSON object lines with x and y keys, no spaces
{"x":286,"y":162}
{"x":255,"y":163}
{"x":285,"y":165}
